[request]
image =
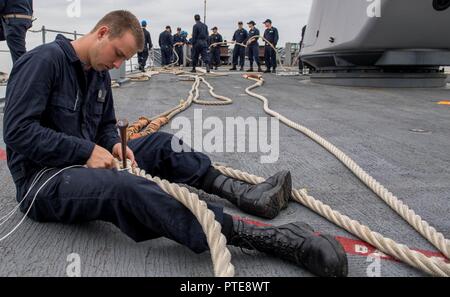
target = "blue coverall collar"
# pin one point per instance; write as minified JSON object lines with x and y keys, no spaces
{"x":67,"y":47}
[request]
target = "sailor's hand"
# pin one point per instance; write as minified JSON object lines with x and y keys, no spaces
{"x":100,"y":158}
{"x":117,"y":153}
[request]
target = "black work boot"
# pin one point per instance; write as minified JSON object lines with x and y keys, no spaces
{"x":268,"y":71}
{"x":241,"y":69}
{"x":265,"y":200}
{"x":233,"y":68}
{"x":194,"y":70}
{"x":259,"y":68}
{"x":250,"y":69}
{"x":296,"y":242}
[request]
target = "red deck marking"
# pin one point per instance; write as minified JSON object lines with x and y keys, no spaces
{"x":358,"y":247}
{"x":2,"y":155}
{"x":361,"y":248}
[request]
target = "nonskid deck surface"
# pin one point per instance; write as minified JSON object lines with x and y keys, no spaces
{"x":399,"y":136}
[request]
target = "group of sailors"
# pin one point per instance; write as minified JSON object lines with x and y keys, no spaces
{"x":208,"y":46}
{"x":16,"y":18}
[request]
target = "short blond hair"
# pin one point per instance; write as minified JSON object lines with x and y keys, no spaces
{"x":121,"y":21}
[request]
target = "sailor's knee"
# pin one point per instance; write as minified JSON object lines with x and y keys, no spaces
{"x":124,"y":182}
{"x":162,"y":137}
{"x":138,"y":188}
{"x":168,"y":142}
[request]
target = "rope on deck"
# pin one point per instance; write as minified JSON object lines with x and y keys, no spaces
{"x":429,"y":265}
{"x":217,"y":242}
{"x":143,"y":126}
{"x":401,"y":252}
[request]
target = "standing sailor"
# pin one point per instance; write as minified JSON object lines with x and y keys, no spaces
{"x":166,"y":45}
{"x":240,"y":36}
{"x":200,"y":43}
{"x":179,"y":40}
{"x":15,"y":19}
{"x":143,"y":56}
{"x":253,"y":46}
{"x":270,"y":56}
{"x":215,"y":49}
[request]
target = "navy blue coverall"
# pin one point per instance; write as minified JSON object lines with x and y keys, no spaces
{"x":148,"y":45}
{"x":239,"y":36}
{"x":270,"y":56}
{"x":253,"y":47}
{"x":215,"y":50}
{"x":166,"y":45}
{"x":200,"y":43}
{"x":55,"y":112}
{"x":179,"y":48}
{"x":15,"y":27}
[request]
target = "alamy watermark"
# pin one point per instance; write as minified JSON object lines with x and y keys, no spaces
{"x":373,"y":258}
{"x":74,"y":9}
{"x":73,"y":269}
{"x":374,"y":268}
{"x":374,"y":9}
{"x":236,"y":134}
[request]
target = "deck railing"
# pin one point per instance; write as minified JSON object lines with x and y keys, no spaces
{"x":131,"y":65}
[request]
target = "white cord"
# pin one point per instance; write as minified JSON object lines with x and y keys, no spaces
{"x":36,"y":179}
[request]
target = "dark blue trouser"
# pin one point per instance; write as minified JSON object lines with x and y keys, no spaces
{"x":15,"y":31}
{"x":239,"y":53}
{"x":253,"y":54}
{"x":179,"y":50}
{"x":215,"y":56}
{"x":166,"y":55}
{"x":142,"y":58}
{"x":200,"y":48}
{"x":135,"y":205}
{"x":270,"y":57}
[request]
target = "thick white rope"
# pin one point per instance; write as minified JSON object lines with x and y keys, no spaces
{"x":176,"y":60}
{"x":194,"y":95}
{"x":227,"y":43}
{"x":432,"y":266}
{"x":278,"y":58}
{"x":217,"y":242}
{"x":430,"y":233}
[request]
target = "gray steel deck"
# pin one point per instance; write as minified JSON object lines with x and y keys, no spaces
{"x":372,"y":125}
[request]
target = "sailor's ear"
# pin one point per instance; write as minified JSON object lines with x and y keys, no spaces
{"x":102,"y":32}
